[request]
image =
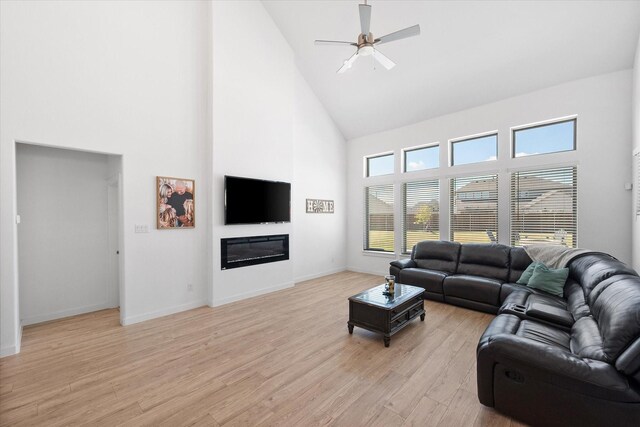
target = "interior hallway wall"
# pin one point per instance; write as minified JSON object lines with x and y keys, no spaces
{"x":63,"y":234}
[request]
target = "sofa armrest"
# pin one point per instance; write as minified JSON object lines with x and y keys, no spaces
{"x":403,"y":263}
{"x":550,"y":364}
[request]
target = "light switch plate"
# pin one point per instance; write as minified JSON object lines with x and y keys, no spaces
{"x":142,"y":228}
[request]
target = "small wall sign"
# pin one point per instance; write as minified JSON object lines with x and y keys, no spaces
{"x":319,"y":206}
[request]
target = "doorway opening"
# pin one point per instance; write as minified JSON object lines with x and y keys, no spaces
{"x":69,"y":233}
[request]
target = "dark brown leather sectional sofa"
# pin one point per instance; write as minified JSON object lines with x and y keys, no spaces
{"x":544,"y":360}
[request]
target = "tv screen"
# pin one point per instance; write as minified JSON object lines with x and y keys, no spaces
{"x":255,"y":201}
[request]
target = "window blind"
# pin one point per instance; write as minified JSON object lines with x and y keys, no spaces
{"x":421,"y":212}
{"x":544,"y":207}
{"x":379,"y":234}
{"x":474,"y":209}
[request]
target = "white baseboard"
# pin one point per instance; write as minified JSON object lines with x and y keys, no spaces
{"x":8,"y":351}
{"x":245,"y":295}
{"x":316,"y":275}
{"x":64,"y":313}
{"x":164,"y":312}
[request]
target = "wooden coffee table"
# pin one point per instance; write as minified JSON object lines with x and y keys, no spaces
{"x":374,"y":311}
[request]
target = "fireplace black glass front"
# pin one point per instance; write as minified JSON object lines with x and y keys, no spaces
{"x":245,"y":251}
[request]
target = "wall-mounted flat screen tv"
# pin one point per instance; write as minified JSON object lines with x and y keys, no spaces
{"x":256,"y":201}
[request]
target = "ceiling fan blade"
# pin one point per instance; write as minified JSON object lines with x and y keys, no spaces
{"x":348,"y":63}
{"x":383,"y":60}
{"x":365,"y":18}
{"x":334,"y":43}
{"x":400,"y":34}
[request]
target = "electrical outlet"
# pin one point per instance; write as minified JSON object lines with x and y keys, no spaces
{"x":190,"y":287}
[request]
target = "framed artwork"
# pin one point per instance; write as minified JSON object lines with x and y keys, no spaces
{"x":175,"y":202}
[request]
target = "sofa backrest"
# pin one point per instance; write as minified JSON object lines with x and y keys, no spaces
{"x":519,"y":260}
{"x":485,"y":260}
{"x":615,"y":305}
{"x":589,"y":270}
{"x":436,"y":255}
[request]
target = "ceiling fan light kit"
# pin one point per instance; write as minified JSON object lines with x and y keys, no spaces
{"x":366,"y":44}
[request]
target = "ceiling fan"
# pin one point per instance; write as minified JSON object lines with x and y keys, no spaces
{"x":366,"y":44}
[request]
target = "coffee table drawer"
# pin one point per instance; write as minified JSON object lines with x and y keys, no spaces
{"x":401,"y":309}
{"x":400,"y":320}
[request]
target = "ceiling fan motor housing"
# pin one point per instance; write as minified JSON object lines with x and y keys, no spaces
{"x":365,"y":44}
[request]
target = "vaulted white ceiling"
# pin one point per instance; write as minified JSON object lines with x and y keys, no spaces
{"x":469,"y":53}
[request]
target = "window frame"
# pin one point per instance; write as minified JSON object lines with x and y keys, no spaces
{"x":416,"y":148}
{"x":546,"y":123}
{"x":376,"y":156}
{"x":454,"y":141}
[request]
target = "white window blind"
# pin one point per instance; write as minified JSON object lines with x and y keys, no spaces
{"x":379,"y":218}
{"x":421,"y":212}
{"x":474,"y":209}
{"x":544,"y":207}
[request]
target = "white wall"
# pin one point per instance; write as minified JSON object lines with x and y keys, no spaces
{"x":319,"y":172}
{"x":602,"y":105}
{"x":126,"y":78}
{"x":268,"y":124}
{"x":636,"y":148}
{"x":63,"y":233}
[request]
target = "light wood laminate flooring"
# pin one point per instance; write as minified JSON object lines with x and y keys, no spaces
{"x":285,"y":358}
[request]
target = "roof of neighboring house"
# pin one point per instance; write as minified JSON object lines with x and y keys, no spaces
{"x":560,"y":201}
{"x":379,"y":207}
{"x":524,"y":183}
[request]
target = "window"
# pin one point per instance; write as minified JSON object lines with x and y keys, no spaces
{"x":422,"y":158}
{"x":474,"y":209}
{"x":379,"y":218}
{"x":421,"y":216}
{"x":380,"y":165}
{"x":543,"y":139}
{"x":544,"y":208}
{"x":474,"y":150}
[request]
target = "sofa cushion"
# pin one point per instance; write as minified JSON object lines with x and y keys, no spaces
{"x":576,"y":302}
{"x":484,"y":260}
{"x":615,"y":304}
{"x":519,"y":260}
{"x":430,"y":280}
{"x":589,"y":270}
{"x":479,"y":289}
{"x":437,"y":255}
{"x":586,"y":340}
{"x":544,"y":334}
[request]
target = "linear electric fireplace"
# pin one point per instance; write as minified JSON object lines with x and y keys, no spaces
{"x":245,"y":251}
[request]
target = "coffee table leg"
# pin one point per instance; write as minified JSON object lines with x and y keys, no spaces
{"x":422,"y":317}
{"x":350,"y":326}
{"x":387,"y":341}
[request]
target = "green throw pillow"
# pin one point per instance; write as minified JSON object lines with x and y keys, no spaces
{"x":549,"y":280}
{"x":526,"y":275}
